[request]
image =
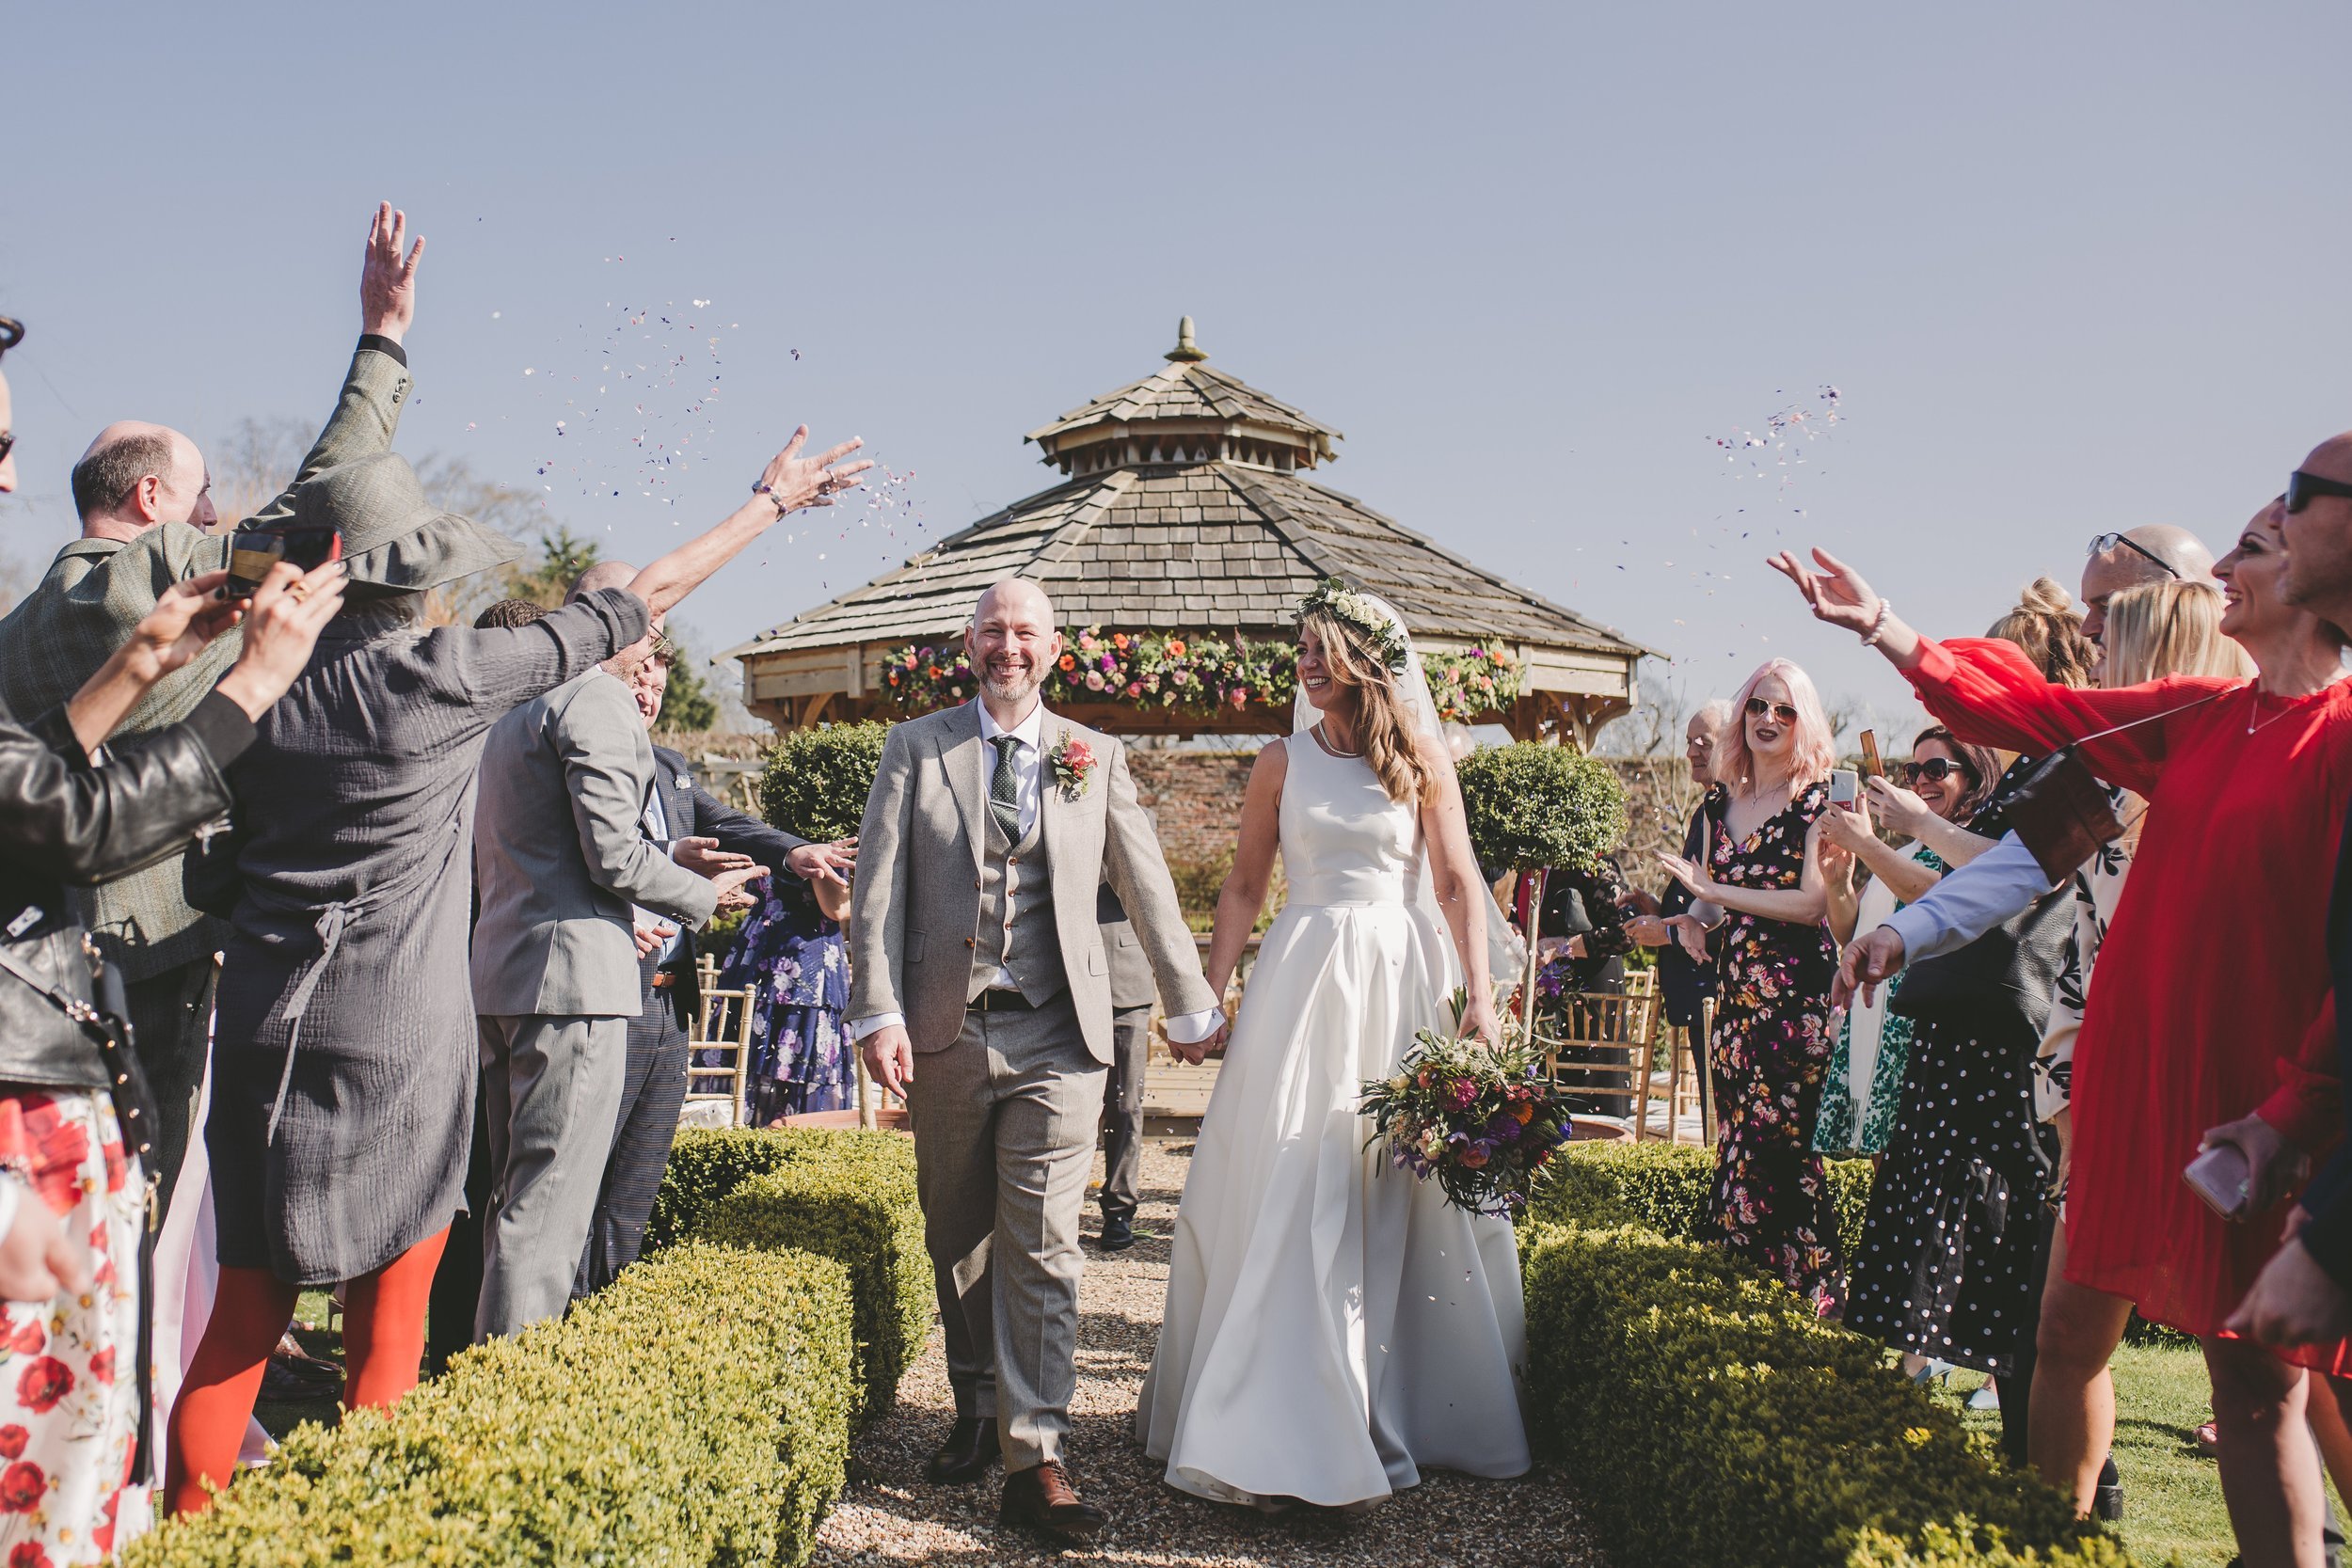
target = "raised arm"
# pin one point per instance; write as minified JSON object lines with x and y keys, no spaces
{"x":791,"y":481}
{"x":1462,"y":895}
{"x":1242,"y":899}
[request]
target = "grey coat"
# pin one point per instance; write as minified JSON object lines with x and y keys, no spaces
{"x":353,"y":816}
{"x":562,"y":855}
{"x":97,"y":590}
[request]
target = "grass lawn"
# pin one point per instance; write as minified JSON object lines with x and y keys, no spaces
{"x":280,"y":1416}
{"x":2171,"y":1493}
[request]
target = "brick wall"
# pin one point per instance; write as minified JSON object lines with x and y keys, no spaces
{"x":1194,"y":798}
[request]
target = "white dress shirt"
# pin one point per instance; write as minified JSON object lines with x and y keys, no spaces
{"x":1184,"y":1029}
{"x":1997,"y":885}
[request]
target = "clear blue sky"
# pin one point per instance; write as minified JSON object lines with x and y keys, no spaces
{"x":2072,"y":267}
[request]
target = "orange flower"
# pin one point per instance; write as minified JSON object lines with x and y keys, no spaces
{"x":1069,"y":661}
{"x":1175,"y":648}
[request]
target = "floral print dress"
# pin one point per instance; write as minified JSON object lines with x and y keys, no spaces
{"x":69,"y":1381}
{"x":800,"y":962}
{"x":1864,"y":1088}
{"x":1770,"y":1050}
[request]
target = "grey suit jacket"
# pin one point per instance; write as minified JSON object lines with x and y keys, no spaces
{"x":916,"y":914}
{"x":1131,"y":972}
{"x":692,"y":811}
{"x":562,"y":856}
{"x":97,"y":590}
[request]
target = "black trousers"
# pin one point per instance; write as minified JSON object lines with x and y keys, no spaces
{"x":171,"y":1017}
{"x":650,"y":1099}
{"x":1122,"y":1111}
{"x":457,"y":1283}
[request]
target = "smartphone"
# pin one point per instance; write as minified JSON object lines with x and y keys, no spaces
{"x":2219,"y":1177}
{"x":1844,"y":785}
{"x":1871,"y":768}
{"x":254,"y":551}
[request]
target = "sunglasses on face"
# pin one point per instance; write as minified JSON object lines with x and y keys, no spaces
{"x":1937,"y":768}
{"x":2302,"y":489}
{"x":2106,"y":543}
{"x":1785,"y":712}
{"x":8,"y":444}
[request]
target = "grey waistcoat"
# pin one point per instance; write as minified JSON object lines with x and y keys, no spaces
{"x":1017,"y":927}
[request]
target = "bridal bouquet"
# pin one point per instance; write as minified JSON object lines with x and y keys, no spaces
{"x":1481,"y":1119}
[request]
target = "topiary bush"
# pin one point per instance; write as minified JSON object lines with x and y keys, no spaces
{"x":694,"y":1412}
{"x":706,"y":1164}
{"x":1532,"y":807}
{"x":816,"y":780}
{"x":851,"y":1196}
{"x":1711,"y":1418}
{"x":1665,"y":1187}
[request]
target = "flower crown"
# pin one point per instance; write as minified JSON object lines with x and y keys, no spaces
{"x":1344,"y":604}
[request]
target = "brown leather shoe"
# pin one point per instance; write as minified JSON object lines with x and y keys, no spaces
{"x":967,"y":1453}
{"x":1041,"y":1499}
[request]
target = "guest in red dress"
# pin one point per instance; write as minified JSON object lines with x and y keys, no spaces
{"x":2186,"y":1039}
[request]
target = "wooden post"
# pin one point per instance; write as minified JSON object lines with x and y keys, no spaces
{"x":864,"y":1091}
{"x":1535,"y":928}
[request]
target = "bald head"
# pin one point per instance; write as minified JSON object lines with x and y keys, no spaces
{"x":630,"y":661}
{"x":136,"y":475}
{"x":2318,"y":537}
{"x":2154,"y":552}
{"x":1013,"y":645}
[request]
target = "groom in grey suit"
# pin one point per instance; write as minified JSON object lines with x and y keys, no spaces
{"x":981,"y":990}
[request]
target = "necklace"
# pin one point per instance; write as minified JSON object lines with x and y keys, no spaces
{"x":1322,"y":739}
{"x":2251,"y":726}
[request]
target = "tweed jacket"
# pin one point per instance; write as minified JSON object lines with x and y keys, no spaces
{"x":914,"y":920}
{"x":563,"y":861}
{"x":690,"y":811}
{"x":97,"y":590}
{"x":1131,"y":972}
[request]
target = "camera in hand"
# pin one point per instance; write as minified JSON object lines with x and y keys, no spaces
{"x":254,"y":551}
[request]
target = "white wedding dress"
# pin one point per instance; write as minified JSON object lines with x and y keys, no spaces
{"x":1333,"y":1325}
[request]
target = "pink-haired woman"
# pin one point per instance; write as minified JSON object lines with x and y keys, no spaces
{"x":1774,"y":963}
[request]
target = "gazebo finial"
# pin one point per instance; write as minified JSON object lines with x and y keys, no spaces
{"x":1186,"y":352}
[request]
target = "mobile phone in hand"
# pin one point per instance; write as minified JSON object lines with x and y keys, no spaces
{"x":2221,"y":1177}
{"x":1844,"y":785}
{"x":1871,"y":768}
{"x":254,"y":551}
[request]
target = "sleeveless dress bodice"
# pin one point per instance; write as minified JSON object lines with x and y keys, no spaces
{"x":1345,"y":842}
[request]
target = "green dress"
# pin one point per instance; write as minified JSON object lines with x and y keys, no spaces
{"x":1865,"y":1087}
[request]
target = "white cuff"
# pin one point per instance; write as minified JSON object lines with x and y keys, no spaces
{"x":1192,"y":1028}
{"x":860,"y":1027}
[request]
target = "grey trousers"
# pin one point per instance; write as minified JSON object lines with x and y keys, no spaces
{"x":1122,"y":1110}
{"x":652,"y":1091}
{"x":550,"y":1089}
{"x":1005,"y":1125}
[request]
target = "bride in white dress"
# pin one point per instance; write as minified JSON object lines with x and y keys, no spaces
{"x":1333,"y":1325}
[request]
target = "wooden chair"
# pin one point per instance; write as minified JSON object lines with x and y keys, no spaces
{"x":716,"y":1093}
{"x":1602,"y":1049}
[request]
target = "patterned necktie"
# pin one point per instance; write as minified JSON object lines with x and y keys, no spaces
{"x":1003,"y":791}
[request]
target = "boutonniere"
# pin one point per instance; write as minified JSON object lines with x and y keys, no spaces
{"x":1073,"y":764}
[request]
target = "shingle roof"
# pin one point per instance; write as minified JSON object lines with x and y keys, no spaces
{"x":1211,"y":547}
{"x":1187,"y":390}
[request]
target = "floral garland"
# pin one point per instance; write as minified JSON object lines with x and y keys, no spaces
{"x":1184,"y":672}
{"x":1477,"y":680}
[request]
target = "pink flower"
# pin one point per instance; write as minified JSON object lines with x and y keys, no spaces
{"x":1094,"y":680}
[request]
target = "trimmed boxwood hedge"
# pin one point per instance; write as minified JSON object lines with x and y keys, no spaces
{"x":1710,"y":1418}
{"x":1665,"y":1186}
{"x":850,"y":1199}
{"x":696,"y":1412}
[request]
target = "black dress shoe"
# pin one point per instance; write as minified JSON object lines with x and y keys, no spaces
{"x":1041,"y":1499}
{"x":1119,"y":1233}
{"x":967,"y":1453}
{"x":2106,"y":1499}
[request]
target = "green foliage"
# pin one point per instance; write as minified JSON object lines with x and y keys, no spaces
{"x":688,"y":702}
{"x":695,"y":1412}
{"x":1532,"y":807}
{"x":816,"y":780}
{"x":850,"y":1196}
{"x":1661,"y":1368}
{"x":1665,"y":1187}
{"x":562,"y":556}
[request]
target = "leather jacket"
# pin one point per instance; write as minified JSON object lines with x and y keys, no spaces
{"x":65,"y":817}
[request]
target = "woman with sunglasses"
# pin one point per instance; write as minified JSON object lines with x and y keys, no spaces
{"x":2181,"y":1046}
{"x":1948,"y":781}
{"x":1774,"y":963}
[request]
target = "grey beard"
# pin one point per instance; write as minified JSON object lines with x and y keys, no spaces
{"x":1012,"y":693}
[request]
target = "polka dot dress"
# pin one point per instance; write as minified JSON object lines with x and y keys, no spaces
{"x":1945,"y":1266}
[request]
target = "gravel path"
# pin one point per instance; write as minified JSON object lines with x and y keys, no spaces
{"x":891,"y":1516}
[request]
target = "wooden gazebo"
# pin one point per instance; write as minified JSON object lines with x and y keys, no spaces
{"x":1185,"y":504}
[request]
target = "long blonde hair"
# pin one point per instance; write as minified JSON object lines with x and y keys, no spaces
{"x":2169,"y":628}
{"x":1384,"y":732}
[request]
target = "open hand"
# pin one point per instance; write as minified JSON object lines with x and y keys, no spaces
{"x":1691,"y":931}
{"x":704,"y":858}
{"x":1868,"y":962}
{"x":1836,"y":593}
{"x":797,"y":481}
{"x":728,"y":880}
{"x":2272,"y":1163}
{"x":1690,"y":875}
{"x":39,"y":1261}
{"x":825,"y":863}
{"x":388,"y":281}
{"x":186,"y":616}
{"x":2295,"y":1301}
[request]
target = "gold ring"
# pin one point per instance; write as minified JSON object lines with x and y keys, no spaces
{"x":298,"y":592}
